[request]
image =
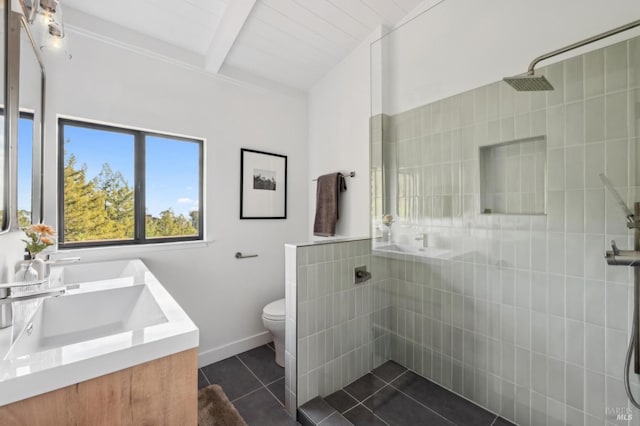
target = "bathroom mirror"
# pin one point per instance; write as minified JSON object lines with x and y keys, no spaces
{"x":30,"y":130}
{"x":4,"y":148}
{"x":23,"y":126}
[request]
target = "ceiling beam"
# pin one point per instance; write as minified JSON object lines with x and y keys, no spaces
{"x":235,"y":15}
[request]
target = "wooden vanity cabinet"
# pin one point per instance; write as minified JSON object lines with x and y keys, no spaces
{"x":159,"y":392}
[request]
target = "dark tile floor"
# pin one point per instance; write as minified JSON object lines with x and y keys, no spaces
{"x":254,"y":383}
{"x":392,"y":395}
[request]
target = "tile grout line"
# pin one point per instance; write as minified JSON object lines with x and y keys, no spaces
{"x":276,"y":398}
{"x":469,"y":401}
{"x":389,"y":382}
{"x":276,"y":380}
{"x":408,"y":396}
{"x":420,"y":403}
{"x":333,"y":414}
{"x":262,"y":384}
{"x":205,"y":377}
{"x":377,"y":377}
{"x":260,"y":381}
{"x":250,"y":371}
{"x":362,"y":402}
{"x":366,"y":408}
{"x":247,"y":394}
{"x":321,"y":420}
{"x":359,"y":402}
{"x":249,"y":368}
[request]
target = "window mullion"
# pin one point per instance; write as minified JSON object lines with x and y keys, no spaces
{"x":61,"y":188}
{"x":140,"y":234}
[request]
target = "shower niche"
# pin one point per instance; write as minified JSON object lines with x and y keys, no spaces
{"x":513,"y":177}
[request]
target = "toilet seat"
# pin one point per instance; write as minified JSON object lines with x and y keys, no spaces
{"x":274,"y":311}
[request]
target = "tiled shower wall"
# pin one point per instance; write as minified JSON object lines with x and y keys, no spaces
{"x":334,"y":342}
{"x":525,"y":318}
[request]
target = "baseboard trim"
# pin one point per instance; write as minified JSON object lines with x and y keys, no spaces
{"x":225,"y":351}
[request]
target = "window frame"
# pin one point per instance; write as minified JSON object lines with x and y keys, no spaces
{"x":139,"y":184}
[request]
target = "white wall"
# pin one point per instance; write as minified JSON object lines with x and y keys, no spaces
{"x":109,"y":83}
{"x":339,"y":111}
{"x":456,"y":45}
{"x":222,"y":295}
{"x":462,"y":44}
{"x":11,"y":251}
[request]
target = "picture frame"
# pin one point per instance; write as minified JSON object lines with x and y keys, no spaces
{"x":263,"y":185}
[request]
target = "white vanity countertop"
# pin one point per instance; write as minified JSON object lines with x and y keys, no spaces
{"x":25,"y":375}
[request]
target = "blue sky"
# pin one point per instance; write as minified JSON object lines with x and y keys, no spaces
{"x":171,"y":167}
{"x":25,"y":149}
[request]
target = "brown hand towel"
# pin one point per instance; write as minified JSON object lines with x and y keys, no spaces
{"x":327,"y":194}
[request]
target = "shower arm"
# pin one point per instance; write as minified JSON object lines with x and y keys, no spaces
{"x":581,"y":43}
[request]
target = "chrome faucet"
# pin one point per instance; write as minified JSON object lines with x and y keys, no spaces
{"x":48,"y":262}
{"x":424,"y":239}
{"x":7,"y":299}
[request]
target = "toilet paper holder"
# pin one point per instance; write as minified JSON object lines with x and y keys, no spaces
{"x":239,"y":255}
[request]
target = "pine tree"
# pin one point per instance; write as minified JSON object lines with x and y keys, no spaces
{"x":103,"y":208}
{"x":24,"y":218}
{"x":119,"y":205}
{"x":169,"y":225}
{"x":85,"y":218}
{"x":195,"y":219}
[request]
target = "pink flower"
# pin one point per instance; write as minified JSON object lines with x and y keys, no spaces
{"x":42,"y":229}
{"x":46,"y":241}
{"x":39,"y":237}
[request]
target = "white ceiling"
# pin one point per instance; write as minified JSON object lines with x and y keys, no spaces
{"x":190,"y":24}
{"x":291,"y":42}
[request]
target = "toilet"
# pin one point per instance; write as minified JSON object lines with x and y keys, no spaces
{"x":273,"y":319}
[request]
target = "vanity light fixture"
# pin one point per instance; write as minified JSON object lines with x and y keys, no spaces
{"x":45,"y":17}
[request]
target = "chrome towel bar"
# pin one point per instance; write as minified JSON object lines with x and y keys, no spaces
{"x":350,"y":174}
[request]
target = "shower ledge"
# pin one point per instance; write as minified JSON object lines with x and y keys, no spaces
{"x":413,"y":253}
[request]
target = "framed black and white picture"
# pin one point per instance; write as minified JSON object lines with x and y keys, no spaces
{"x":263,"y":185}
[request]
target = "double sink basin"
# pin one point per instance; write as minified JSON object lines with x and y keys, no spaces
{"x":114,"y":315}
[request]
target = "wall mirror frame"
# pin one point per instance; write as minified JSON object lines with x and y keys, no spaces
{"x":21,"y":47}
{"x":4,"y":146}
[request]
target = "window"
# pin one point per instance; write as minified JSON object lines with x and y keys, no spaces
{"x":25,"y":168}
{"x":124,"y":186}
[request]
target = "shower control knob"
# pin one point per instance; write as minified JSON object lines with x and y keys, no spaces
{"x":614,"y":248}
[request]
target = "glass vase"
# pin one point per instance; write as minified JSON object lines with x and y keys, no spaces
{"x":386,"y":234}
{"x":27,"y":272}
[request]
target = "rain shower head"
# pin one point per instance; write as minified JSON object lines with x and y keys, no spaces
{"x":529,"y":83}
